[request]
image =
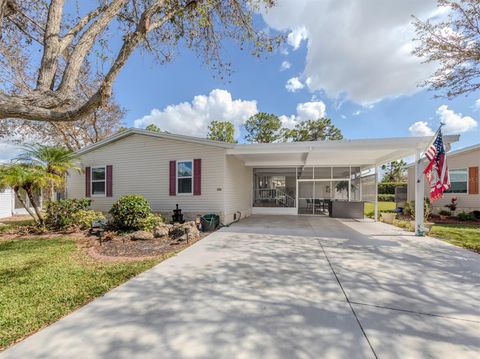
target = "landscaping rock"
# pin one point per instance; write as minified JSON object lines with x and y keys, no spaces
{"x":141,"y":235}
{"x":179,"y":232}
{"x":161,"y":231}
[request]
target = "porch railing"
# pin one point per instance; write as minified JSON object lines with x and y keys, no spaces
{"x":273,"y":197}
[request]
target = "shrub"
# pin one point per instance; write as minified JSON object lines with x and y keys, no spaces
{"x":60,"y":215}
{"x":132,"y":212}
{"x":476,"y":214}
{"x":152,"y":221}
{"x":444,"y":213}
{"x":83,"y":219}
{"x":386,"y":197}
{"x":410,"y":209}
{"x":453,"y":204}
{"x":389,"y":211}
{"x":463,"y":216}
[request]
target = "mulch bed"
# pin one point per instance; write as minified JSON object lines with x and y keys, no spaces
{"x":453,"y":220}
{"x":120,"y":249}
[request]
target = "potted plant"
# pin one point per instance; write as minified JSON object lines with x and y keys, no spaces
{"x":444,"y":214}
{"x":388,"y":216}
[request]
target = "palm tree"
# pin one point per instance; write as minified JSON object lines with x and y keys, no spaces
{"x":55,"y":160}
{"x":29,"y":178}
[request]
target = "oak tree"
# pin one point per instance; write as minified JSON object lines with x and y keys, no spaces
{"x":453,"y":43}
{"x":45,"y":87}
{"x":221,"y":131}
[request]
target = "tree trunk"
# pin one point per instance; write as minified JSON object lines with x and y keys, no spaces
{"x":20,"y":199}
{"x":34,"y":204}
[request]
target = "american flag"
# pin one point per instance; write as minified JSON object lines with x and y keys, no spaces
{"x":437,"y":169}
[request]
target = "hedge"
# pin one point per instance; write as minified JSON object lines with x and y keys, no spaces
{"x":389,"y":187}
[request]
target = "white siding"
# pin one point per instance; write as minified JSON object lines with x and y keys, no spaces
{"x":141,"y":166}
{"x":238,"y":188}
{"x":6,"y":203}
{"x":466,"y":202}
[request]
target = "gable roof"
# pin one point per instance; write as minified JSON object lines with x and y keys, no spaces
{"x":169,"y":136}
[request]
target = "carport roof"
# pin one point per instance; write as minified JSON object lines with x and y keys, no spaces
{"x":361,"y":152}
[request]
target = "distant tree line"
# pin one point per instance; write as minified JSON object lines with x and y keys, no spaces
{"x":267,"y":128}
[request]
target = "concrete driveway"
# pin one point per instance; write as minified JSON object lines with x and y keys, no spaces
{"x":284,"y":287}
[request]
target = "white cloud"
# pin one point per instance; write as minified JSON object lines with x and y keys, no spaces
{"x":193,"y":118}
{"x":311,"y":110}
{"x":455,"y":122}
{"x":420,"y":128}
{"x":296,"y":37}
{"x":285,"y":65}
{"x":357,"y":49}
{"x":477,"y":104}
{"x":294,"y":84}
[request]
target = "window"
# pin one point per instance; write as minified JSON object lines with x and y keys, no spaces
{"x":459,"y":181}
{"x":98,"y":181}
{"x":184,"y":177}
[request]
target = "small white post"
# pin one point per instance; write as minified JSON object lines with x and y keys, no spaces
{"x":419,"y":194}
{"x":376,"y":193}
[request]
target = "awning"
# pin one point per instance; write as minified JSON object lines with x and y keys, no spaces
{"x":362,"y":152}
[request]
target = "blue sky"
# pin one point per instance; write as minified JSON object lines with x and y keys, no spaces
{"x":362,"y":104}
{"x":350,"y":61}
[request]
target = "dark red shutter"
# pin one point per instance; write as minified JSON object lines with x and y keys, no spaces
{"x":197,"y":177}
{"x":109,"y":181}
{"x":87,"y":181}
{"x":173,"y":178}
{"x":473,"y":180}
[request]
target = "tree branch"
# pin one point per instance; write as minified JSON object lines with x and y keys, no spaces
{"x":85,"y":44}
{"x":51,"y":41}
{"x":70,"y":35}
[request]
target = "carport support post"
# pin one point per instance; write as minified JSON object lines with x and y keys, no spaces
{"x":376,"y":193}
{"x":419,"y":194}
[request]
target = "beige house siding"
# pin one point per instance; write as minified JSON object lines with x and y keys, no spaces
{"x":238,"y":188}
{"x":466,"y":202}
{"x":141,"y":166}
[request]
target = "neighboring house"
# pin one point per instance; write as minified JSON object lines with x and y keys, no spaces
{"x":234,"y":180}
{"x":6,"y":203}
{"x":463,"y":165}
{"x":10,"y":205}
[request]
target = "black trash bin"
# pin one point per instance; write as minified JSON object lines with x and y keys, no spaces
{"x":210,"y":222}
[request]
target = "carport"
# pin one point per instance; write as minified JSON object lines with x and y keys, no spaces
{"x":317,"y":170}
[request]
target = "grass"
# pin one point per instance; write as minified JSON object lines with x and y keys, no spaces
{"x":42,"y":280}
{"x":369,"y":209}
{"x":462,"y":235}
{"x":466,"y":236}
{"x":14,"y":223}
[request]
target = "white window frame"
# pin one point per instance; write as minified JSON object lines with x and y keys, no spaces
{"x":177,"y":178}
{"x":468,"y":182}
{"x":92,"y":181}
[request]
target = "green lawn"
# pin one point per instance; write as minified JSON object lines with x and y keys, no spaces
{"x":41,"y":280}
{"x":382,"y":206}
{"x":15,"y":223}
{"x":467,"y":236}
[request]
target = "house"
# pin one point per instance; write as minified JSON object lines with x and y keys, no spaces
{"x":463,"y":165}
{"x":235,"y":180}
{"x":10,"y":205}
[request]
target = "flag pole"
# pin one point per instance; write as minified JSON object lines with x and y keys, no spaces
{"x":434,"y":137}
{"x":420,"y":187}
